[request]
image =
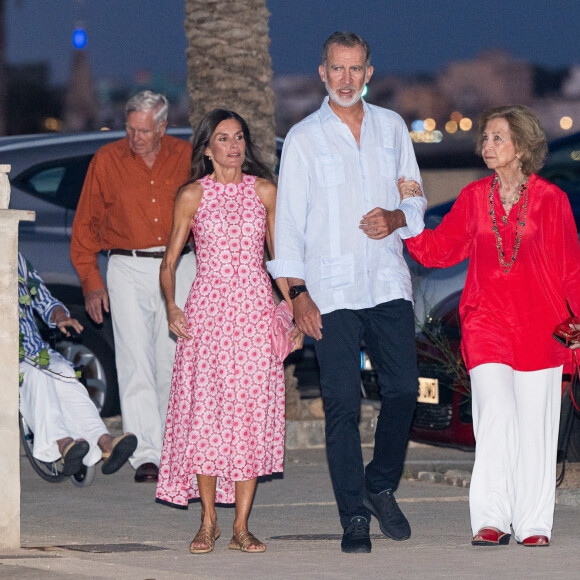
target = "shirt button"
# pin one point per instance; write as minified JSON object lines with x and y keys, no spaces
{"x":155,"y":220}
{"x":152,"y":182}
{"x":153,"y":200}
{"x":159,"y":239}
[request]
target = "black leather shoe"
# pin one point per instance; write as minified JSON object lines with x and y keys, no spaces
{"x":391,"y":519}
{"x":356,"y":538}
{"x":146,"y":472}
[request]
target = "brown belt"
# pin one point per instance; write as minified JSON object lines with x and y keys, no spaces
{"x":144,"y":253}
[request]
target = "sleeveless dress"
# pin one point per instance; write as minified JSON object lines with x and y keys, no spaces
{"x":227,"y":403}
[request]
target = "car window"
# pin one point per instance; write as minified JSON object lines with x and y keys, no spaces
{"x":59,"y":182}
{"x":563,"y":168}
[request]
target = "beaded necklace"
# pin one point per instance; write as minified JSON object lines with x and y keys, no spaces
{"x":520,"y":225}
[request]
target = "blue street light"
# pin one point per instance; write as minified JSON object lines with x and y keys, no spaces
{"x":79,"y":38}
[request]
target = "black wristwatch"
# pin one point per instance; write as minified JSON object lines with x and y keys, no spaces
{"x":296,"y":291}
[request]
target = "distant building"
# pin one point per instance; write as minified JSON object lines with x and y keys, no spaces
{"x":492,"y":79}
{"x":80,"y":109}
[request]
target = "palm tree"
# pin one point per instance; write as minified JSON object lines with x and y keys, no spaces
{"x":229,"y":65}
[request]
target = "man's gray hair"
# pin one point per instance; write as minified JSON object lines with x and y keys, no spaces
{"x":348,"y":39}
{"x":145,"y":101}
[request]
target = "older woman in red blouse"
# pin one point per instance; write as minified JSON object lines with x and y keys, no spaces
{"x":518,"y":232}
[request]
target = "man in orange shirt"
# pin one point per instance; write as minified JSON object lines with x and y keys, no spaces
{"x":126,"y":209}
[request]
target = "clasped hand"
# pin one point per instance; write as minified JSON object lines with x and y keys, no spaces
{"x":379,"y":223}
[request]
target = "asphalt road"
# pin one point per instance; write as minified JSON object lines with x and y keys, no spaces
{"x":113,"y":529}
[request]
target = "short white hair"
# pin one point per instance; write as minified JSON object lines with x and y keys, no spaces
{"x":145,"y":101}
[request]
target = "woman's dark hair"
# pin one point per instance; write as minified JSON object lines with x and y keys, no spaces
{"x":201,"y":165}
{"x":526,"y":133}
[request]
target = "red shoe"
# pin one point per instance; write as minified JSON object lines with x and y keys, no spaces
{"x":490,"y":537}
{"x":535,"y":541}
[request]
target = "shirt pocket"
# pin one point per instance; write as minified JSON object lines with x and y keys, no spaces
{"x":386,"y":162}
{"x":330,"y":170}
{"x":337,"y":272}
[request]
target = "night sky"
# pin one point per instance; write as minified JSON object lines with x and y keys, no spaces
{"x":408,"y":36}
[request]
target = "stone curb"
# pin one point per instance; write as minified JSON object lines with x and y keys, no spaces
{"x":454,"y":477}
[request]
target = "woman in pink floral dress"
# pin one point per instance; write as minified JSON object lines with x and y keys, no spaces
{"x":225,"y":421}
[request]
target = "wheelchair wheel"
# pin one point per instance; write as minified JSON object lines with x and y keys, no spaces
{"x":84,"y":477}
{"x":49,"y":471}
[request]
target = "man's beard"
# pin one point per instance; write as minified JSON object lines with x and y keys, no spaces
{"x":341,"y":101}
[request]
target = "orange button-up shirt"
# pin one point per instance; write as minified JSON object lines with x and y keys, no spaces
{"x":126,"y":205}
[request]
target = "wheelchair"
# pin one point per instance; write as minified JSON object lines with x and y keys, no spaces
{"x":52,"y":471}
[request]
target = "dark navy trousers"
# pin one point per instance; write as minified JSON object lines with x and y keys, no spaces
{"x":388,"y":331}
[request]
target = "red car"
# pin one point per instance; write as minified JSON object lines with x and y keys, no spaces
{"x":443,"y":414}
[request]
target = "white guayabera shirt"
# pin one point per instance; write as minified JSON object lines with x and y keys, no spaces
{"x":327,"y":183}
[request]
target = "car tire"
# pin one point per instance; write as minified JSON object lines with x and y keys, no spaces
{"x":96,"y":355}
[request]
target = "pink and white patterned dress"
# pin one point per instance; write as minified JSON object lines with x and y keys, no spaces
{"x":227,"y":406}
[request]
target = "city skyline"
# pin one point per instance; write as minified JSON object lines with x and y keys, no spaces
{"x":132,"y":38}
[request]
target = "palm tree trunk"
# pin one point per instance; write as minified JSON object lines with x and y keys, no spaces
{"x":229,"y":65}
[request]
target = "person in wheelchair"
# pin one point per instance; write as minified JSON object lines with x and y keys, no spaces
{"x":53,"y":402}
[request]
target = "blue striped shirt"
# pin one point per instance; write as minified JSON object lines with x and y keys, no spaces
{"x":43,"y":303}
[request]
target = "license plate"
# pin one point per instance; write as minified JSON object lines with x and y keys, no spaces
{"x":428,"y":391}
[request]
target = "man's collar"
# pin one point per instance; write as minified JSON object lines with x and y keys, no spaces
{"x":327,"y":113}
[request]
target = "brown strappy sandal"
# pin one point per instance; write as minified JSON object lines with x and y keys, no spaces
{"x":245,"y":540}
{"x":207,"y":536}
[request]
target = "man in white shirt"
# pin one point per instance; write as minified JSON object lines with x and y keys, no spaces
{"x":339,"y":230}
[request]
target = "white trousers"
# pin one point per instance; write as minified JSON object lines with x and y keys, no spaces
{"x":515,"y":421}
{"x":58,"y":406}
{"x":144,"y":347}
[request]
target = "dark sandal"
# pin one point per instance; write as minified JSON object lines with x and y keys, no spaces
{"x":245,"y":540}
{"x":490,"y":537}
{"x":122,"y":449}
{"x":207,"y":536}
{"x":72,"y":456}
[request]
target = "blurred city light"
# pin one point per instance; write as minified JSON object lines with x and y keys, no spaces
{"x":365,"y":91}
{"x":426,"y":136}
{"x":566,"y":123}
{"x":53,"y":124}
{"x":456,"y":116}
{"x":429,"y":124}
{"x":451,"y":127}
{"x":79,"y":38}
{"x":418,"y":125}
{"x":465,"y":124}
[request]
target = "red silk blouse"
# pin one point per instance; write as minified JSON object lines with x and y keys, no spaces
{"x":509,"y":317}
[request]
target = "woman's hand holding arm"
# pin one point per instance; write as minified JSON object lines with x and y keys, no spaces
{"x":409,"y":188}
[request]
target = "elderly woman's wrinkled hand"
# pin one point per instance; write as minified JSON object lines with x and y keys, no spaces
{"x":297,"y":338}
{"x":408,"y":188}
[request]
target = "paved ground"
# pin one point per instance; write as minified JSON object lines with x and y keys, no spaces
{"x":113,"y":529}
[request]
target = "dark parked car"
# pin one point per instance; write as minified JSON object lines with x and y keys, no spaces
{"x":443,"y":413}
